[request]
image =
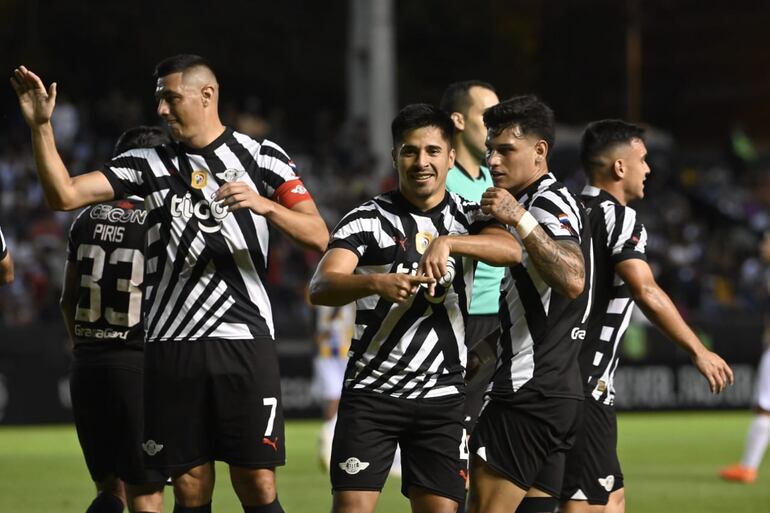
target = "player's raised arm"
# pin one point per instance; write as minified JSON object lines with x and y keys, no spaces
{"x":62,"y":192}
{"x":301,"y":222}
{"x":660,"y":310}
{"x":334,"y":283}
{"x":559,"y":262}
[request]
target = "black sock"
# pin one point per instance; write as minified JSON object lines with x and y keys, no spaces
{"x":105,"y":503}
{"x":537,"y":505}
{"x":178,"y":508}
{"x":273,"y":507}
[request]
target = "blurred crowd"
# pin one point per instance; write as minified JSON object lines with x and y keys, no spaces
{"x":706,"y":209}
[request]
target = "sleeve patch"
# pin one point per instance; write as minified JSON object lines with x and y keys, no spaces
{"x":291,"y":192}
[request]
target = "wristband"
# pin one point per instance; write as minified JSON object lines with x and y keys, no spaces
{"x":526,"y":224}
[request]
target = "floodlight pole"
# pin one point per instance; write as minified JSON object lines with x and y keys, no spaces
{"x":371,"y":71}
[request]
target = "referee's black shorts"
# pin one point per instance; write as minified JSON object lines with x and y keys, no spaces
{"x":430,"y":432}
{"x":593,"y":469}
{"x":213,"y":400}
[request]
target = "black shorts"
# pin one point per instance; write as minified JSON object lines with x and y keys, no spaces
{"x":527,"y":442}
{"x":477,"y":329}
{"x":434,"y":454}
{"x":109,"y":418}
{"x":213,"y":400}
{"x":593,"y":469}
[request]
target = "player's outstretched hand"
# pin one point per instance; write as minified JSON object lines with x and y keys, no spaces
{"x":500,"y":204}
{"x":35,"y":102}
{"x":237,"y":195}
{"x":433,"y":263}
{"x":399,"y":287}
{"x":715,"y":370}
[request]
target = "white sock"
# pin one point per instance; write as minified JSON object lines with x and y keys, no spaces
{"x":756,"y":441}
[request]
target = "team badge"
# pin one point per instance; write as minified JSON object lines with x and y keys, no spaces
{"x":607,"y":482}
{"x":353,"y":466}
{"x":422,"y":240}
{"x":151,"y":447}
{"x":231,"y":175}
{"x":602,"y":386}
{"x":199,"y":179}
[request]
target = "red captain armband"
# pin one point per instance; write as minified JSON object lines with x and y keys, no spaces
{"x":291,"y":193}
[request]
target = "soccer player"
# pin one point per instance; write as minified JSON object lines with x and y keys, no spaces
{"x":404,"y":257}
{"x":613,"y":155}
{"x":465,"y":102}
{"x":758,"y":435}
{"x":212,"y":389}
{"x":528,"y":422}
{"x":6,"y":262}
{"x":101,"y":303}
{"x":334,"y":330}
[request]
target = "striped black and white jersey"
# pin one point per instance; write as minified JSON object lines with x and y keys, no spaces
{"x":416,"y":349}
{"x":205,"y":265}
{"x":3,"y":246}
{"x":541,"y":328}
{"x":106,"y":250}
{"x":617,"y":236}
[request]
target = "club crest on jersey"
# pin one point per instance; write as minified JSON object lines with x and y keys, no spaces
{"x":231,"y":174}
{"x":601,"y":386}
{"x":199,"y":179}
{"x":353,"y":466}
{"x":422,"y":240}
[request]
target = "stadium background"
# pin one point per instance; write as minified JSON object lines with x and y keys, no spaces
{"x":695,"y":72}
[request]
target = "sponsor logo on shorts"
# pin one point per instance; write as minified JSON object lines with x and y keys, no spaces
{"x":353,"y":466}
{"x":231,"y":175}
{"x":607,"y":482}
{"x":151,"y":447}
{"x":271,"y":443}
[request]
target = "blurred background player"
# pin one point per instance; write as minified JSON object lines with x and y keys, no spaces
{"x":211,"y":365}
{"x":529,"y":420}
{"x":759,"y":430}
{"x":102,"y":306}
{"x":614,"y":155}
{"x":334,"y":329}
{"x":6,"y":262}
{"x":465,"y":102}
{"x":404,"y":379}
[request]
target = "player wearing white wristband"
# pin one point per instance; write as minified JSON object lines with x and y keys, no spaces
{"x":529,"y":419}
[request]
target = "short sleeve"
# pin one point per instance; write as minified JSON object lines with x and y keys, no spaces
{"x":128,"y":173}
{"x":626,"y":237}
{"x":559,"y":215}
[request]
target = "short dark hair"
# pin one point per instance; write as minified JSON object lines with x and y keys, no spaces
{"x":419,"y":115}
{"x":532,"y":116}
{"x":603,"y":135}
{"x":140,"y":137}
{"x":456,"y":97}
{"x":180,"y":63}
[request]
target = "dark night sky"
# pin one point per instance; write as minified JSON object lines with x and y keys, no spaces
{"x":705,"y":65}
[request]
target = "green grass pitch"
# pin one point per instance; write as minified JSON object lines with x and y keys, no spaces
{"x":670,"y":463}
